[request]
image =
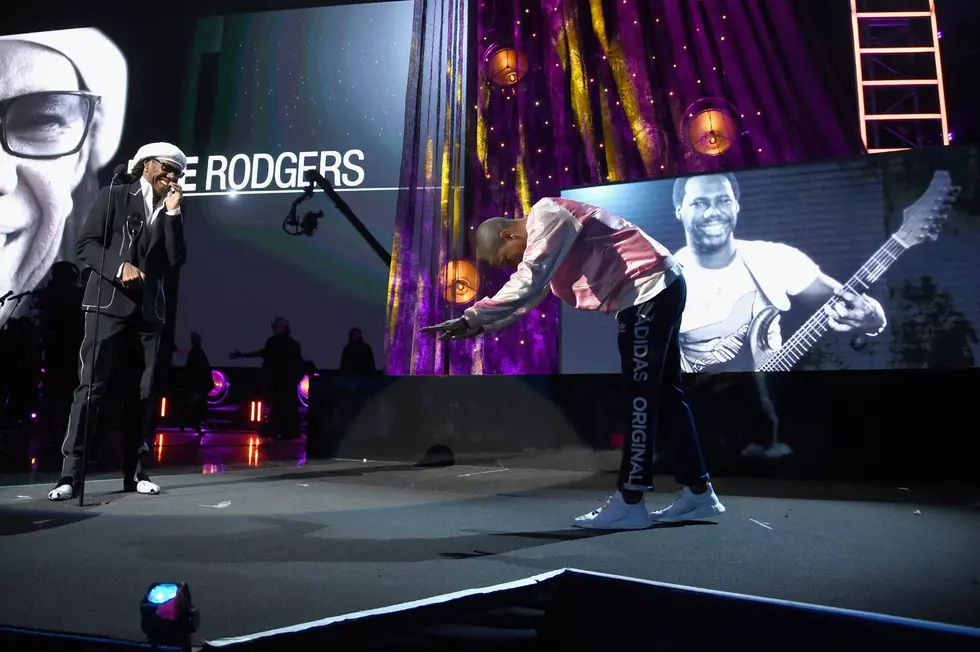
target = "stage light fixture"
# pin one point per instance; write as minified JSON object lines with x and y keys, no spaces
{"x":219,"y":392}
{"x":505,"y":64}
{"x":460,"y":282}
{"x":168,"y":616}
{"x":303,"y":390}
{"x":710,"y":126}
{"x":255,"y":411}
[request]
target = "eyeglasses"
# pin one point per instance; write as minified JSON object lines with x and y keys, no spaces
{"x":169,"y":169}
{"x":47,"y":124}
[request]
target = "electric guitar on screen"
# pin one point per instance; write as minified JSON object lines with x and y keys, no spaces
{"x":921,"y":221}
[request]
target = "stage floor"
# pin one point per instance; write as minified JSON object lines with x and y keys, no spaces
{"x":282,"y":544}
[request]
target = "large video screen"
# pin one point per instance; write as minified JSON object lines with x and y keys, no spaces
{"x":274,"y":95}
{"x":760,"y":248}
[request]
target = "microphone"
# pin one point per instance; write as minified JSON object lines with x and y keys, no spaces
{"x":9,"y":294}
{"x":119,"y":175}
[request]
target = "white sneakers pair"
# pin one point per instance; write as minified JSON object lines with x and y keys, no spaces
{"x":616,"y":514}
{"x":65,"y":490}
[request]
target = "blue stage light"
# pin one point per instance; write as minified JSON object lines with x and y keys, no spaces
{"x":162,"y":593}
{"x":168,"y":616}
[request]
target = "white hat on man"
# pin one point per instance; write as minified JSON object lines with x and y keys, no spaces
{"x":162,"y":152}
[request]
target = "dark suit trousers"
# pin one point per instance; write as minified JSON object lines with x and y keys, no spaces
{"x":126,"y":350}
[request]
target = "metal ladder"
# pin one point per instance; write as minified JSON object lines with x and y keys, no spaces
{"x":889,"y":124}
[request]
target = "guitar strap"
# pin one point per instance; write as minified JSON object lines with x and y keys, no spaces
{"x":755,"y":279}
{"x":732,"y":346}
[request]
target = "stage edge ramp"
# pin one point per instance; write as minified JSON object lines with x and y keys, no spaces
{"x":578,"y":609}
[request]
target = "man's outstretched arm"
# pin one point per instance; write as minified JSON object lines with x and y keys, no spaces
{"x":518,"y":314}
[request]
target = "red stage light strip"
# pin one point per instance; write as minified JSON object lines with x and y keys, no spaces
{"x":900,"y":82}
{"x":893,"y":14}
{"x":255,"y":411}
{"x":905,"y":50}
{"x":903,"y":116}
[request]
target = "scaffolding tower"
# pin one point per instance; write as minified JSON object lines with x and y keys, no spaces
{"x":901,"y":100}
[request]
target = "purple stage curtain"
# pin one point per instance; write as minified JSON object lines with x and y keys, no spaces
{"x":603,"y":99}
{"x":429,"y":219}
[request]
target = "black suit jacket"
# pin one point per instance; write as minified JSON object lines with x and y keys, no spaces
{"x":155,"y":250}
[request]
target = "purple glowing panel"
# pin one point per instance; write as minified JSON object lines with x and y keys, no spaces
{"x":303,"y":391}
{"x":219,"y":392}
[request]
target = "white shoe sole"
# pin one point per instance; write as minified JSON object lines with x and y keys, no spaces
{"x":592,"y":525}
{"x":147,"y":489}
{"x":706,"y":511}
{"x":55,"y":496}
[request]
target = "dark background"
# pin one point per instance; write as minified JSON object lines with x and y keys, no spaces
{"x":828,"y":22}
{"x":131,"y":25}
{"x":856,"y":424}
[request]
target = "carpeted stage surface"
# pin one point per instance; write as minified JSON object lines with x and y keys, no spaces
{"x":272,"y":547}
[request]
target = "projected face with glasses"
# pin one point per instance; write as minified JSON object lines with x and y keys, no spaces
{"x":47,"y":124}
{"x":45,"y":120}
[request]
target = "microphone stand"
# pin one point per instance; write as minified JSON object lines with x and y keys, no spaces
{"x":95,"y":346}
{"x":10,"y":296}
{"x":18,"y":297}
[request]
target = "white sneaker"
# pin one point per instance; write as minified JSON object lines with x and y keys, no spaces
{"x":690,"y":506}
{"x":777,"y":450}
{"x":63,"y":491}
{"x":753,"y":450}
{"x":147,"y":487}
{"x":616,"y":515}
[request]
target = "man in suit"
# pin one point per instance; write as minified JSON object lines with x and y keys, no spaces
{"x":138,"y":228}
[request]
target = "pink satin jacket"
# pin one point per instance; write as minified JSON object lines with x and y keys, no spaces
{"x":586,"y":256}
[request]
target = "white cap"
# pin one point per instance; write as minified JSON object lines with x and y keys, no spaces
{"x":102,"y":67}
{"x":163,"y":152}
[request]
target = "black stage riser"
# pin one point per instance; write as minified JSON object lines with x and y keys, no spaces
{"x":898,"y":426}
{"x":12,"y":638}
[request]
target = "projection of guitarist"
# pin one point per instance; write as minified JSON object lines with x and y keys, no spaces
{"x":731,"y":282}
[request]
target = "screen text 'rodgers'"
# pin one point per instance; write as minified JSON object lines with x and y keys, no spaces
{"x":249,"y":172}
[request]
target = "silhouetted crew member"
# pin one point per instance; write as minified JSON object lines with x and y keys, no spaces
{"x":282,"y":368}
{"x":62,"y":321}
{"x":358,"y":357}
{"x":198,"y":383}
